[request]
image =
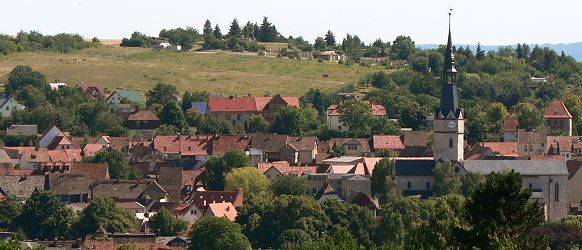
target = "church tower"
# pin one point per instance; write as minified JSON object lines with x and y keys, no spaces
{"x":449,"y":124}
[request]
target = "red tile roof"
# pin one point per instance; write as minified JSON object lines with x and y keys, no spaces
{"x":502,"y":148}
{"x":202,"y":198}
{"x":92,"y":148}
{"x":183,"y":144}
{"x":192,"y":176}
{"x":223,"y":210}
{"x":557,"y":109}
{"x":246,"y":103}
{"x":564,"y":142}
{"x":387,"y":142}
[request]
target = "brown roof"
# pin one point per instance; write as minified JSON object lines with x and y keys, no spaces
{"x":269,"y":143}
{"x":95,"y":171}
{"x":246,"y":103}
{"x":69,"y":184}
{"x":77,"y":142}
{"x":21,"y":186}
{"x":557,"y":109}
{"x":303,"y":143}
{"x":365,"y":142}
{"x":222,"y":143}
{"x":122,"y":190}
{"x":416,"y":138}
{"x":143,"y":115}
{"x":573,"y":167}
{"x":183,"y":144}
{"x":170,"y":178}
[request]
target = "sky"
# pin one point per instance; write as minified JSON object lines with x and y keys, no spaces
{"x":492,"y":22}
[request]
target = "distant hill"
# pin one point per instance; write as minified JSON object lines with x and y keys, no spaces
{"x":572,"y":49}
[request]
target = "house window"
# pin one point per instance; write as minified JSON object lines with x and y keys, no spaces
{"x":530,"y":186}
{"x":239,"y":117}
{"x":352,"y":147}
{"x":530,"y":147}
{"x":525,"y":148}
{"x":409,"y":185}
{"x":313,"y":190}
{"x":557,"y":192}
{"x":227,"y":117}
{"x":339,"y":128}
{"x":427,"y":185}
{"x":7,"y":108}
{"x":450,"y":142}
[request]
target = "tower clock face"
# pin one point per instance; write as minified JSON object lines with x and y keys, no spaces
{"x":452,"y":124}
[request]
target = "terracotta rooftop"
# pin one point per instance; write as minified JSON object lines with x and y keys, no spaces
{"x":143,"y":115}
{"x":387,"y":142}
{"x":557,"y":109}
{"x":225,"y":209}
{"x":284,"y":168}
{"x":502,"y":148}
{"x":377,"y":110}
{"x":95,"y":171}
{"x":246,"y":103}
{"x":222,"y":143}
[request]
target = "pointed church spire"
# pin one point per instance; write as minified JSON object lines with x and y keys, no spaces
{"x":449,"y":96}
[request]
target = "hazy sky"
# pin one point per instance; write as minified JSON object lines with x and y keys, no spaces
{"x":488,"y":22}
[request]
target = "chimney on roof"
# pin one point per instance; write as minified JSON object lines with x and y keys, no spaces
{"x":227,"y":208}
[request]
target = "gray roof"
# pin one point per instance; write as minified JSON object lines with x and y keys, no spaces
{"x":21,"y":186}
{"x":524,"y":167}
{"x":414,"y":167}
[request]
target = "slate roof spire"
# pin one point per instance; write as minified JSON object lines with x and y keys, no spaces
{"x":449,"y":96}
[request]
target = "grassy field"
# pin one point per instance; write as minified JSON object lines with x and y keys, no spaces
{"x":216,"y":72}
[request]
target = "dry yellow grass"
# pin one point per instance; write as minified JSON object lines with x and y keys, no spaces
{"x":216,"y":72}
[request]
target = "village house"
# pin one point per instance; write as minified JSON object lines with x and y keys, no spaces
{"x":331,"y":56}
{"x":220,"y":144}
{"x":145,"y":192}
{"x":343,"y":185}
{"x":237,"y":110}
{"x":125,"y":96}
{"x":352,"y":146}
{"x":54,"y":138}
{"x":183,"y":146}
{"x":56,"y":86}
{"x":8,"y":104}
{"x":198,"y":202}
{"x":225,"y":209}
{"x":558,"y":117}
{"x":510,"y":127}
{"x":92,"y":89}
{"x":333,"y":116}
{"x":275,"y":169}
{"x":415,"y":177}
{"x":492,"y":150}
{"x":295,"y":150}
{"x":143,"y":123}
{"x":532,"y":143}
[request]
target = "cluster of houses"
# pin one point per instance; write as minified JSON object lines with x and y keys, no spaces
{"x":172,"y":167}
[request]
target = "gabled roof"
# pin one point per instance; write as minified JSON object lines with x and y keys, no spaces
{"x":246,"y":103}
{"x":183,"y":144}
{"x":143,"y":115}
{"x":225,"y":209}
{"x":557,"y":109}
{"x":221,"y":143}
{"x":326,"y":189}
{"x":284,"y":168}
{"x":364,"y":142}
{"x":92,"y":148}
{"x":69,"y":184}
{"x":303,"y":143}
{"x":510,"y":124}
{"x":393,"y":142}
{"x":203,"y":198}
{"x":269,"y":143}
{"x":131,"y":95}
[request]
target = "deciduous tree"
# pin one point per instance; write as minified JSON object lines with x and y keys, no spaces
{"x":103,"y":212}
{"x":164,"y":223}
{"x":218,"y":233}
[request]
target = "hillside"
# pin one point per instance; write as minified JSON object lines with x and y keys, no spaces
{"x":216,"y":72}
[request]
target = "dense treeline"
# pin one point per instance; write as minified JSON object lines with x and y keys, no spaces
{"x":35,"y":41}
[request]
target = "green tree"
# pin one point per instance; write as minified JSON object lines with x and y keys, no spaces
{"x":445,"y":179}
{"x":263,"y":222}
{"x":337,"y":151}
{"x":257,"y":124}
{"x":45,"y":217}
{"x":184,"y":37}
{"x":500,"y":209}
{"x":167,"y":129}
{"x":403,"y":47}
{"x":293,"y":239}
{"x":352,"y":46}
{"x":217,"y":33}
{"x":339,"y":238}
{"x":357,"y":220}
{"x":10,"y":245}
{"x":479,"y":54}
{"x":164,"y":223}
{"x":235,"y":158}
{"x":295,"y":121}
{"x":10,"y":208}
{"x":214,"y":177}
{"x":217,"y":233}
{"x":196,"y":96}
{"x":529,"y":117}
{"x":384,"y":181}
{"x":250,"y":179}
{"x":289,"y":185}
{"x":31,"y":97}
{"x":172,"y":115}
{"x":469,"y":183}
{"x":162,"y":94}
{"x":357,"y":116}
{"x":386,"y":152}
{"x":234,"y":30}
{"x":330,"y":39}
{"x":207,"y":30}
{"x":319,"y":44}
{"x":119,"y":167}
{"x":103,"y":212}
{"x":22,"y":76}
{"x":267,"y":32}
